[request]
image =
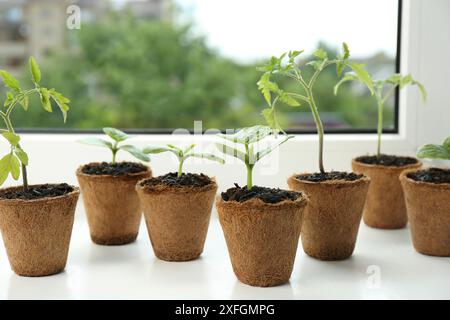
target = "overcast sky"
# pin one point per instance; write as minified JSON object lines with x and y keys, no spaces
{"x":252,"y":29}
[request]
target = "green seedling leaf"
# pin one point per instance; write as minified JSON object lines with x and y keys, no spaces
{"x":317,"y":64}
{"x":171,"y":146}
{"x":347,"y":77}
{"x":321,"y":54}
{"x":233,"y":152}
{"x":4,"y":172}
{"x":10,"y":81}
{"x":136,"y":152}
{"x":45,"y":99}
{"x":9,"y":98}
{"x":208,"y":156}
{"x":447,"y":144}
{"x":24,"y":102}
{"x":116,"y":134}
{"x":422,"y":90}
{"x":248,"y":135}
{"x":156,"y":150}
{"x":61,"y":102}
{"x":192,"y":146}
{"x":346,"y":51}
{"x":35,"y":70}
{"x":23,"y":157}
{"x":362,"y":75}
{"x":12,"y":138}
{"x":288,"y":99}
{"x":434,"y":151}
{"x":394,"y":79}
{"x":268,"y":150}
{"x":10,"y":164}
{"x":269,"y":116}
{"x":96,"y":142}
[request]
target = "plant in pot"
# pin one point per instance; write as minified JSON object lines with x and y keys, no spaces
{"x":261,"y":225}
{"x":177,"y":206}
{"x":35,"y":220}
{"x":427,"y":197}
{"x":385,"y":204}
{"x":108,"y":188}
{"x":336,"y":199}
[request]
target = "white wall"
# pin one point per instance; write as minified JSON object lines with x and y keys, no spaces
{"x":425,"y":52}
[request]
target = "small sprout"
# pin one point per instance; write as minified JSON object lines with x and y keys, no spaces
{"x":247,"y":137}
{"x":17,"y":157}
{"x":117,"y":137}
{"x":382,"y":94}
{"x":435,"y":151}
{"x":182,"y":154}
{"x":292,"y":70}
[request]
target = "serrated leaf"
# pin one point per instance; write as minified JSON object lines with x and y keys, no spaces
{"x":9,"y":98}
{"x":60,"y":101}
{"x":12,"y":138}
{"x":347,"y":77}
{"x":248,"y":135}
{"x":321,"y":54}
{"x":10,"y":81}
{"x":35,"y":70}
{"x":208,"y":156}
{"x":96,"y":142}
{"x":116,"y":134}
{"x":346,"y":51}
{"x":339,"y":68}
{"x":394,"y":79}
{"x":225,"y":149}
{"x":45,"y":99}
{"x":268,"y":150}
{"x":406,"y":80}
{"x":362,"y":75}
{"x":317,"y":64}
{"x":136,"y":152}
{"x":266,"y":87}
{"x":433,"y":151}
{"x":22,"y":155}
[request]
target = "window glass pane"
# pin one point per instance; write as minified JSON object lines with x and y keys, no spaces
{"x":161,"y":64}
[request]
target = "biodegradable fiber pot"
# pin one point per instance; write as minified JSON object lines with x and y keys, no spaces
{"x":332,"y":217}
{"x":428,"y":207}
{"x":112,"y":206}
{"x":262,"y":238}
{"x":385,"y":204}
{"x":177,"y":218}
{"x":36,"y":233}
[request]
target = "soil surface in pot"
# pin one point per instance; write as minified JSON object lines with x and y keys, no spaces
{"x":115,"y":170}
{"x":387,"y":160}
{"x":268,"y":195}
{"x":433,"y":175}
{"x":172,"y":180}
{"x":38,"y":192}
{"x":327,"y":176}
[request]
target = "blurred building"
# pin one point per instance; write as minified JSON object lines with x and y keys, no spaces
{"x":35,"y":27}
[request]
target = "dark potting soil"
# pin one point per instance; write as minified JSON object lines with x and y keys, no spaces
{"x":38,"y":192}
{"x":268,"y":195}
{"x":333,"y":175}
{"x":433,"y":175}
{"x":115,"y":170}
{"x":172,"y":180}
{"x":387,"y":160}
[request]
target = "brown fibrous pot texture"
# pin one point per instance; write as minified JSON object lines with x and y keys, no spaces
{"x":36,"y":233}
{"x":262,"y":238}
{"x":385,"y":204}
{"x":332,"y":217}
{"x":177,"y":219}
{"x":428,"y":207}
{"x":112,"y":206}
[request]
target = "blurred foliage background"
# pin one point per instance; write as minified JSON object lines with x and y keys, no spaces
{"x":133,"y":73}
